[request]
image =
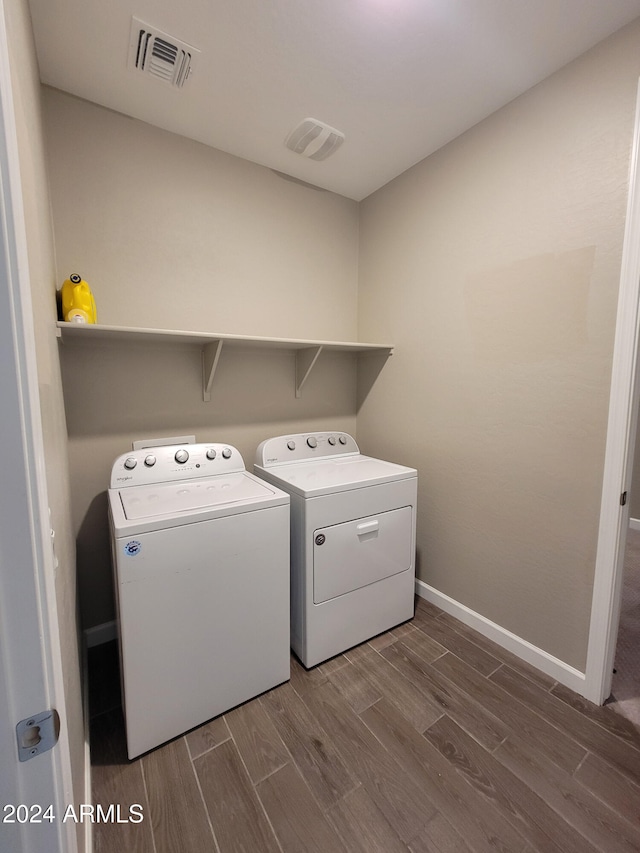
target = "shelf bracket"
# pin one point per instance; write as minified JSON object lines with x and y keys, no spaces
{"x":210,"y":357}
{"x":305,"y":360}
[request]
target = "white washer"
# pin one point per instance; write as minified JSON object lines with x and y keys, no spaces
{"x":353,"y":534}
{"x":201,"y":562}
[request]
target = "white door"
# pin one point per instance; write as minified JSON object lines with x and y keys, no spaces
{"x":30,"y":668}
{"x":621,"y":433}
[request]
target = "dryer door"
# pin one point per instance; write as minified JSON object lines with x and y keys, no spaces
{"x":356,"y":553}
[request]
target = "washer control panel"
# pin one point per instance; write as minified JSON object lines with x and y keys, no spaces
{"x":174,"y":462}
{"x":285,"y":449}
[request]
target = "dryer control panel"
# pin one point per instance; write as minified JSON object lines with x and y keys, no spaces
{"x":285,"y":449}
{"x":171,"y":463}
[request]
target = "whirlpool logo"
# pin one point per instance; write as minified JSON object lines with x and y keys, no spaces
{"x":132,"y":548}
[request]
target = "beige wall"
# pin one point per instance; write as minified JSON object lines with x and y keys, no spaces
{"x":171,"y":234}
{"x":26,"y":86}
{"x":495,"y":264}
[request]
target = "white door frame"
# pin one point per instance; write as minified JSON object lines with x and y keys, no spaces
{"x":620,"y":446}
{"x":31,"y":677}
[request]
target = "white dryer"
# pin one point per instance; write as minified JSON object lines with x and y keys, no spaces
{"x":201,"y":563}
{"x":353,"y":535}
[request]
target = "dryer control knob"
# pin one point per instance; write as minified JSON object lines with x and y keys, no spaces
{"x":312,"y":441}
{"x":227,"y":453}
{"x":291,"y":445}
{"x":342,"y":439}
{"x":332,"y":440}
{"x":150,"y":461}
{"x":181,"y":456}
{"x":130,"y":463}
{"x":211,"y":454}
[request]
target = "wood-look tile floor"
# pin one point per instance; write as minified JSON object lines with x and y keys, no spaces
{"x":427,"y":738}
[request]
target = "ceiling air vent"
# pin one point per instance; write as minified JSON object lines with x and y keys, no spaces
{"x":160,"y":55}
{"x":314,"y":139}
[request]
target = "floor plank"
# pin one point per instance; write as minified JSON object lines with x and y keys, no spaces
{"x":571,"y":721}
{"x":529,"y":814}
{"x":439,"y":837}
{"x":398,"y":796}
{"x":313,"y":751}
{"x":178,"y":816}
{"x":423,"y":645}
{"x":295,"y":816}
{"x":401,"y":692}
{"x":451,"y":640}
{"x":306,"y":679}
{"x":259,"y":744}
{"x":610,"y":786}
{"x":487,"y":693}
{"x":427,"y":609}
{"x":479,"y":822}
{"x":355,"y":688}
{"x":336,"y":760}
{"x":236,"y":814}
{"x":303,"y":679}
{"x":446,"y":697}
{"x":616,"y":724}
{"x":578,"y":807}
{"x":208,"y":736}
{"x":362,"y":826}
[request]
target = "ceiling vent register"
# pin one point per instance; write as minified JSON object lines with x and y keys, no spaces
{"x":314,"y":139}
{"x":162,"y":56}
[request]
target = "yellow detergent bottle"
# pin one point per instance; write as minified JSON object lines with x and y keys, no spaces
{"x":78,"y":304}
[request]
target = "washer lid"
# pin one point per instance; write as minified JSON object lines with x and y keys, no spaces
{"x":161,"y":499}
{"x":310,"y":478}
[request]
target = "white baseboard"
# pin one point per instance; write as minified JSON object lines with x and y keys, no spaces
{"x":100,"y":634}
{"x":634,"y":523}
{"x":557,"y":669}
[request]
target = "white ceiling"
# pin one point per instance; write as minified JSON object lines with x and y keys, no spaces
{"x":399,"y":78}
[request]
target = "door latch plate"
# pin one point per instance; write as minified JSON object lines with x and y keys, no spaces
{"x":37,"y":734}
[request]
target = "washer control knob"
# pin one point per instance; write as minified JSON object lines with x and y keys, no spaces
{"x":150,"y":460}
{"x":226,"y":453}
{"x":312,"y":441}
{"x":211,"y":454}
{"x":130,"y":463}
{"x":181,"y":456}
{"x":343,"y":439}
{"x":291,"y":445}
{"x":332,"y":440}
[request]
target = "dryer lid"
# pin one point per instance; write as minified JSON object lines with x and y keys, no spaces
{"x":311,"y":478}
{"x":163,"y":499}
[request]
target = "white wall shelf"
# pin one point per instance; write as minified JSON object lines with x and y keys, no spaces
{"x":212,"y":345}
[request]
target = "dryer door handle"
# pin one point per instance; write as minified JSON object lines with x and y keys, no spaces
{"x":367,"y":527}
